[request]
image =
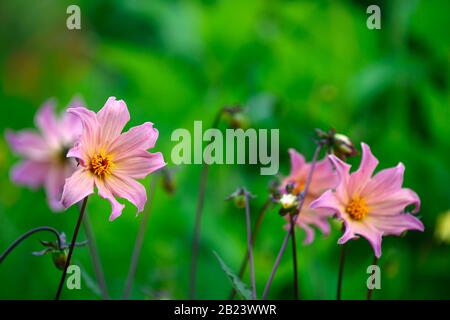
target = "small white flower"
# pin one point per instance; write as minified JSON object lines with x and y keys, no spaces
{"x":288,"y":201}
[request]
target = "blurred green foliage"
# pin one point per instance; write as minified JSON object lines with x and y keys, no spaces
{"x":295,"y":65}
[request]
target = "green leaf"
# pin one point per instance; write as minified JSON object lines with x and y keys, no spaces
{"x":237,"y":283}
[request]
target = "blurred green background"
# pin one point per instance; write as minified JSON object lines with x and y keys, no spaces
{"x":294,"y":65}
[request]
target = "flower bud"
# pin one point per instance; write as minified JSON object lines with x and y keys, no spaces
{"x":239,"y":197}
{"x":235,"y":118}
{"x":60,"y":258}
{"x":168,"y":181}
{"x":338,"y":144}
{"x":343,"y":146}
{"x":443,"y":228}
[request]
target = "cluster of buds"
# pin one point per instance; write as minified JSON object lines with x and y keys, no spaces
{"x":58,"y":250}
{"x":239,"y":197}
{"x":338,"y":144}
{"x":288,"y":200}
{"x":235,"y":117}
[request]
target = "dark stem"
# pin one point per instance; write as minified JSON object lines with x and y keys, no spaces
{"x":290,"y":232}
{"x":369,"y":291}
{"x":26,"y":235}
{"x":244,"y":263}
{"x":341,"y":272}
{"x":198,"y":218}
{"x":249,"y":244}
{"x":72,"y":246}
{"x":294,"y":259}
{"x":95,"y":257}
{"x":139,"y":241}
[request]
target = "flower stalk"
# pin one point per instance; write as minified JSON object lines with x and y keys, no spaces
{"x":341,"y":272}
{"x":95,"y":257}
{"x":259,"y":220}
{"x":249,"y":243}
{"x":369,"y":291}
{"x":294,"y":259}
{"x":139,"y":241}
{"x":28,"y":234}
{"x":290,"y":231}
{"x":72,"y":246}
{"x":199,"y":211}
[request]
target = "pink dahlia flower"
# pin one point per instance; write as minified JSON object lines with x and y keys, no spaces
{"x":324,"y":178}
{"x":111,"y":160}
{"x":45,"y":163}
{"x":371,"y":207}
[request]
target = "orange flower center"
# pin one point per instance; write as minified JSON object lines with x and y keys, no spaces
{"x":299,"y":186}
{"x":357,"y":209}
{"x":101,"y":165}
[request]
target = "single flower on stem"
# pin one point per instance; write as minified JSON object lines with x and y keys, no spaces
{"x":111,"y":160}
{"x":44,"y":152}
{"x":371,"y":206}
{"x":323,"y":179}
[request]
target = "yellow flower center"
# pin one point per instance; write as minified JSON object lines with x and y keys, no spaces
{"x":101,"y":165}
{"x":357,"y":209}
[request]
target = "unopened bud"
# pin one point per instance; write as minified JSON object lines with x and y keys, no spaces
{"x":239,"y":197}
{"x":343,"y":146}
{"x":60,"y":258}
{"x":338,"y":144}
{"x":235,"y":118}
{"x":168,"y":181}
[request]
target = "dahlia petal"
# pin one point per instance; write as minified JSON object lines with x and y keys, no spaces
{"x":324,"y":177}
{"x":139,"y":164}
{"x":88,"y":118}
{"x":71,"y":128}
{"x":77,"y":187}
{"x":361,"y":177}
{"x":328,"y":201}
{"x":112,"y":118}
{"x":342,"y":168}
{"x":297,"y":161}
{"x":105,"y":193}
{"x":363,"y":229}
{"x":127,"y":188}
{"x":309,"y":233}
{"x":28,"y":144}
{"x":78,"y":152}
{"x":396,"y":225}
{"x":142,"y":137}
{"x":348,"y":234}
{"x":48,"y":124}
{"x":30,"y":173}
{"x":385,"y":182}
{"x":393,"y":203}
{"x":54,"y":185}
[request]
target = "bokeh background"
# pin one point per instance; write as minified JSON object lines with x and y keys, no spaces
{"x":293,"y":65}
